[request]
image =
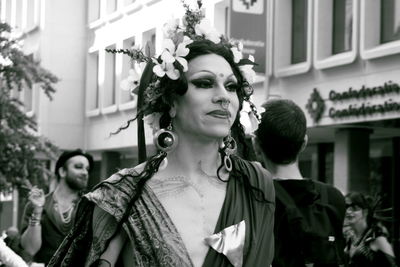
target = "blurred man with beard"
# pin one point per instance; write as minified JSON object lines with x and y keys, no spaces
{"x":48,"y":218}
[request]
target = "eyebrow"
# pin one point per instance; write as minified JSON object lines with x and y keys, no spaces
{"x":212,"y":73}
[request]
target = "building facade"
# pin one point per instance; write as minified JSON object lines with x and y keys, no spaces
{"x":339,"y":60}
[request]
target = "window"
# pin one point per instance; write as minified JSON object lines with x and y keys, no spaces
{"x":335,"y":33}
{"x":28,"y":99}
{"x":109,"y":79}
{"x":32,"y":16}
{"x":299,"y":31}
{"x":5,"y":11}
{"x":149,"y":42}
{"x":221,"y":17}
{"x":18,"y":13}
{"x":93,"y":82}
{"x":94,"y":10}
{"x":342,"y":26}
{"x":126,"y":96}
{"x":390,"y":20}
{"x":111,"y":6}
{"x":380,"y":28}
{"x":292,"y":37}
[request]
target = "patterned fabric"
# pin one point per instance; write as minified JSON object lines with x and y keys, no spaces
{"x":153,"y":237}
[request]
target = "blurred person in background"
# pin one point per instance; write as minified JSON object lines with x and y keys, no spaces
{"x":367,"y":239}
{"x":193,"y":203}
{"x":48,"y":218}
{"x":8,"y":257}
{"x":309,"y":214}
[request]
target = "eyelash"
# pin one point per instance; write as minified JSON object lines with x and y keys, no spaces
{"x":205,"y":83}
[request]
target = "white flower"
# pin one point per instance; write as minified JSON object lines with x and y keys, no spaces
{"x":248,"y":72}
{"x":205,"y":29}
{"x":187,"y":40}
{"x":133,"y":79}
{"x":160,"y":69}
{"x":5,"y":61}
{"x":169,"y":55}
{"x":170,"y":28}
{"x":6,"y":35}
{"x":153,"y":120}
{"x":237,"y":54}
{"x":248,"y":119}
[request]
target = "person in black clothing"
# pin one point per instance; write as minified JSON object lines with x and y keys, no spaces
{"x":279,"y":140}
{"x":367,"y":243}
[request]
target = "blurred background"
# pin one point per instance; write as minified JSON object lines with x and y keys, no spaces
{"x":337,"y":59}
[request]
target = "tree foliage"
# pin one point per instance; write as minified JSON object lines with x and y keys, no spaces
{"x":20,"y":144}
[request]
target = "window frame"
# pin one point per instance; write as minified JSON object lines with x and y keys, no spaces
{"x":282,"y":40}
{"x":370,"y":46}
{"x":323,"y":58}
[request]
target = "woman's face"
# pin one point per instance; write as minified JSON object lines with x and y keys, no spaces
{"x":354,"y":213}
{"x":210,"y":105}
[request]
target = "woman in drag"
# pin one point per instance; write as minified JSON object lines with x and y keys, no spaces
{"x":195,"y":202}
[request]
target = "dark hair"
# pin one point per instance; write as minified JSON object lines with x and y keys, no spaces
{"x":363,"y":201}
{"x":66,"y":155}
{"x":282,"y":130}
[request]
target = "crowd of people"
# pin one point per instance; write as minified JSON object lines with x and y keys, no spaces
{"x":207,"y":197}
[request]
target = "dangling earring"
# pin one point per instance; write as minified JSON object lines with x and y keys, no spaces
{"x":165,"y":139}
{"x":228,"y":148}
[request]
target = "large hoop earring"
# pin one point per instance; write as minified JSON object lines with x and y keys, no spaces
{"x":165,"y":139}
{"x":228,"y":148}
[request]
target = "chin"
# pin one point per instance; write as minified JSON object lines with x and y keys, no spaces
{"x":218,"y":132}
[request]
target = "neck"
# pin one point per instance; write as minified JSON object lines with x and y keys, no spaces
{"x":64,"y":192}
{"x":192,"y":153}
{"x":359,"y":227}
{"x":287,"y":171}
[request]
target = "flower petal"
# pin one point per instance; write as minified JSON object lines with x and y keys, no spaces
{"x":187,"y":40}
{"x":169,"y":45}
{"x":167,"y":57}
{"x":158,"y":70}
{"x":213,"y":36}
{"x":183,"y":62}
{"x":124,"y":85}
{"x":172,"y":73}
{"x":181,"y":50}
{"x":237,"y":54}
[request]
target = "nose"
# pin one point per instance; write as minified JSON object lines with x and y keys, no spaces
{"x":85,"y":172}
{"x":221,"y":96}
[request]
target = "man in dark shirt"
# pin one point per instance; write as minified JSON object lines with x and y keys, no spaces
{"x":48,"y":218}
{"x":280,"y":138}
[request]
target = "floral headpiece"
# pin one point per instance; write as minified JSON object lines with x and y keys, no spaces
{"x":171,"y":64}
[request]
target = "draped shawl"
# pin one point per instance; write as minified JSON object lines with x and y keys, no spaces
{"x":154,"y":238}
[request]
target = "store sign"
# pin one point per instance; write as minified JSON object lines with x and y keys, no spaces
{"x":248,"y":26}
{"x":363,"y":106}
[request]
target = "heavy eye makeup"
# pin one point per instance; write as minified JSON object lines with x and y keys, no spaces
{"x":208,"y":82}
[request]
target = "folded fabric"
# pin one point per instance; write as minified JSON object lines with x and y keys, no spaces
{"x":230,"y":242}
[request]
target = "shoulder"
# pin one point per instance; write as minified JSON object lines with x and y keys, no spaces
{"x":115,"y":193}
{"x":334,"y":194}
{"x":334,"y":197}
{"x":381,"y":243}
{"x":258,"y":176}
